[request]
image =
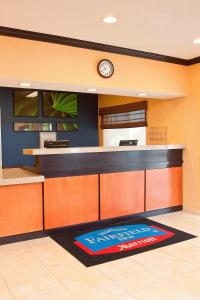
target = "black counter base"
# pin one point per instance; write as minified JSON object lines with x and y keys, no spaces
{"x":105,"y":162}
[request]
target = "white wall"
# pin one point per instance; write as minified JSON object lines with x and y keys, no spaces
{"x":111,"y":137}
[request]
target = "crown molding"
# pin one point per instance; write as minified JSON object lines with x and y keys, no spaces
{"x":193,"y":61}
{"x":56,"y":39}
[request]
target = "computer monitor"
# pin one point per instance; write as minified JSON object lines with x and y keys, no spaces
{"x":128,"y":142}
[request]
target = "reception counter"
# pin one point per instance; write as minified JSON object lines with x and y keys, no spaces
{"x":98,"y":183}
{"x":98,"y":160}
{"x":21,"y":202}
{"x":92,"y":184}
{"x":16,"y":176}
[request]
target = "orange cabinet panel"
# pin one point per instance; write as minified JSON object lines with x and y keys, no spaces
{"x":121,"y":194}
{"x":70,"y":200}
{"x":20,"y":209}
{"x":163,"y":188}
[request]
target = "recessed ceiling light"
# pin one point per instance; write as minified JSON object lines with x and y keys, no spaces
{"x":91,"y":90}
{"x":142,"y":94}
{"x":110,"y":19}
{"x":32,"y":94}
{"x":196,"y":41}
{"x":25,"y":84}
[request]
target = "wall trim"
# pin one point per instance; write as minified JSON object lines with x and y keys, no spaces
{"x":194,"y":61}
{"x":56,"y":39}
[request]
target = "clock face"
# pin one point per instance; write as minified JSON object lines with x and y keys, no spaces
{"x":105,"y":68}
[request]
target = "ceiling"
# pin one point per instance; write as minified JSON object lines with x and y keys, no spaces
{"x":158,"y":26}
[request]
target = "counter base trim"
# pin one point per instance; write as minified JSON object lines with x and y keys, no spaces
{"x":22,"y":237}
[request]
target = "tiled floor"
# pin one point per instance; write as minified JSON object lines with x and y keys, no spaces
{"x":42,"y":270}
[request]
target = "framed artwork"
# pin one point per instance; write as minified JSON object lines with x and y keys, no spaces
{"x":60,"y":104}
{"x":25,"y":103}
{"x":32,"y":127}
{"x":67,"y":127}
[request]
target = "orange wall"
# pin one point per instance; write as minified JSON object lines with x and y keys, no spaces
{"x":44,"y":62}
{"x":50,"y":63}
{"x":182,"y":117}
{"x":159,"y":113}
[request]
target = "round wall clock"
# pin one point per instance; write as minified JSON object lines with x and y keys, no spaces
{"x":105,"y":68}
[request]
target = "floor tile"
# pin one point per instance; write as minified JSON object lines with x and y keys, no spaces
{"x":19,"y":264}
{"x":41,"y":269}
{"x":94,"y":284}
{"x":186,"y":252}
{"x":164,"y":264}
{"x":131,"y":276}
{"x":22,"y":283}
{"x":49,"y":252}
{"x":187,"y":282}
{"x":68,"y":271}
{"x":49,"y":294}
{"x":165,"y":290}
{"x":13,"y":250}
{"x":4,"y":291}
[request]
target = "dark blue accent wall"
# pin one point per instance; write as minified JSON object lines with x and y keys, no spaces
{"x":14,"y":142}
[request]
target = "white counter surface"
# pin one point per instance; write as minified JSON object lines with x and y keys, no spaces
{"x":47,"y":151}
{"x":13,"y":176}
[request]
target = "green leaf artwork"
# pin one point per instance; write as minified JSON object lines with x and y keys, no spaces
{"x":25,"y":103}
{"x":60,"y":104}
{"x":66,"y":127}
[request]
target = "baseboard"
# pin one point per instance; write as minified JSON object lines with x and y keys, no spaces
{"x":22,"y":237}
{"x":162,"y":211}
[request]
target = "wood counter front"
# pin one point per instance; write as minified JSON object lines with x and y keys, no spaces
{"x":70,"y":200}
{"x":163,"y":188}
{"x":20,"y":209}
{"x":121,"y":194}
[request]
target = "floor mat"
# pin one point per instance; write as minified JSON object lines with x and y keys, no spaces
{"x":93,"y":245}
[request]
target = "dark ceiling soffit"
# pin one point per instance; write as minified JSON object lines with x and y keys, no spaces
{"x":43,"y":37}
